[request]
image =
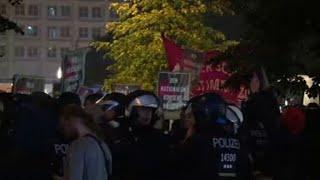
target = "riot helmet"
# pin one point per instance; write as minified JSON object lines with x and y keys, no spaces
{"x":115,"y":103}
{"x":142,"y":108}
{"x":209,"y":111}
{"x":235,"y":115}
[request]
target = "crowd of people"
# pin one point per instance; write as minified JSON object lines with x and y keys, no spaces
{"x":125,"y":137}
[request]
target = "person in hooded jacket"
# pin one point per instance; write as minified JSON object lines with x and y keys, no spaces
{"x":212,"y":149}
{"x":149,"y":146}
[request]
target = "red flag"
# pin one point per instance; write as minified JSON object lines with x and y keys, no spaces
{"x":183,"y":59}
{"x":207,"y":78}
{"x":174,"y":53}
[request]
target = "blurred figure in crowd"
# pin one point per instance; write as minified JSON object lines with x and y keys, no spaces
{"x":312,"y":144}
{"x":57,"y":147}
{"x":88,"y":158}
{"x":261,"y":128}
{"x":34,"y":124}
{"x":290,"y":146}
{"x":91,"y":100}
{"x":115,"y":129}
{"x":68,"y":98}
{"x":91,"y":107}
{"x":112,"y":120}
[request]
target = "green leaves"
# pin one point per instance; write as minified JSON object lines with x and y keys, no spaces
{"x":283,"y":38}
{"x":137,"y":45}
{"x":6,"y":24}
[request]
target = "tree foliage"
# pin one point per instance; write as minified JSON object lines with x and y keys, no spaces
{"x":137,"y":45}
{"x":284,"y":38}
{"x":6,"y":24}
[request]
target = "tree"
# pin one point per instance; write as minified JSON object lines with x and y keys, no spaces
{"x":283,"y":37}
{"x":137,"y":45}
{"x":6,"y":24}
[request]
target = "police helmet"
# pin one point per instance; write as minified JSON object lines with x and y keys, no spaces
{"x":209,"y":110}
{"x":113,"y":101}
{"x":235,"y":115}
{"x":142,"y":98}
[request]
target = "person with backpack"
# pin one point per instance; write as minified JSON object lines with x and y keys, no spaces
{"x":88,"y":157}
{"x":57,"y":146}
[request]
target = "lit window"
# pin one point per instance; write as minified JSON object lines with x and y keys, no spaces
{"x":65,"y":11}
{"x":33,"y":52}
{"x":52,"y":52}
{"x":65,"y":32}
{"x":19,"y":51}
{"x":3,"y":10}
{"x":52,"y":11}
{"x":33,"y":10}
{"x":96,"y":32}
{"x":31,"y":30}
{"x":83,"y":32}
{"x":53,"y":32}
{"x":20,"y":10}
{"x":96,"y":12}
{"x":83,"y":12}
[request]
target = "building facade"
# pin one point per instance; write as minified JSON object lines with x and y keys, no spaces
{"x":52,"y":27}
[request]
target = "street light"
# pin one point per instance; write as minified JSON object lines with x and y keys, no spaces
{"x":59,"y":73}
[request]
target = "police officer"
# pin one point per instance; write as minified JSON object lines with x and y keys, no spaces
{"x":212,"y":149}
{"x":262,"y":125}
{"x":115,"y":129}
{"x":113,"y":121}
{"x":149,"y":146}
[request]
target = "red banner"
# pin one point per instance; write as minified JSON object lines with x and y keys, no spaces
{"x":210,"y":78}
{"x":213,"y":78}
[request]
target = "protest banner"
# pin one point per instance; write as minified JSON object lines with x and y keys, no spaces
{"x":213,"y":79}
{"x":174,"y":90}
{"x":206,"y":77}
{"x":73,"y":68}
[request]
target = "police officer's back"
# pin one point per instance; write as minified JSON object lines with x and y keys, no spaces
{"x":213,"y":150}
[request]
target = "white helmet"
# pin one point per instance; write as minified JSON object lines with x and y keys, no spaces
{"x":147,"y":100}
{"x":235,"y":115}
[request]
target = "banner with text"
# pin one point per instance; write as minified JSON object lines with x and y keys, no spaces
{"x":209,"y":78}
{"x":174,"y":90}
{"x":213,"y":78}
{"x":73,"y":68}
